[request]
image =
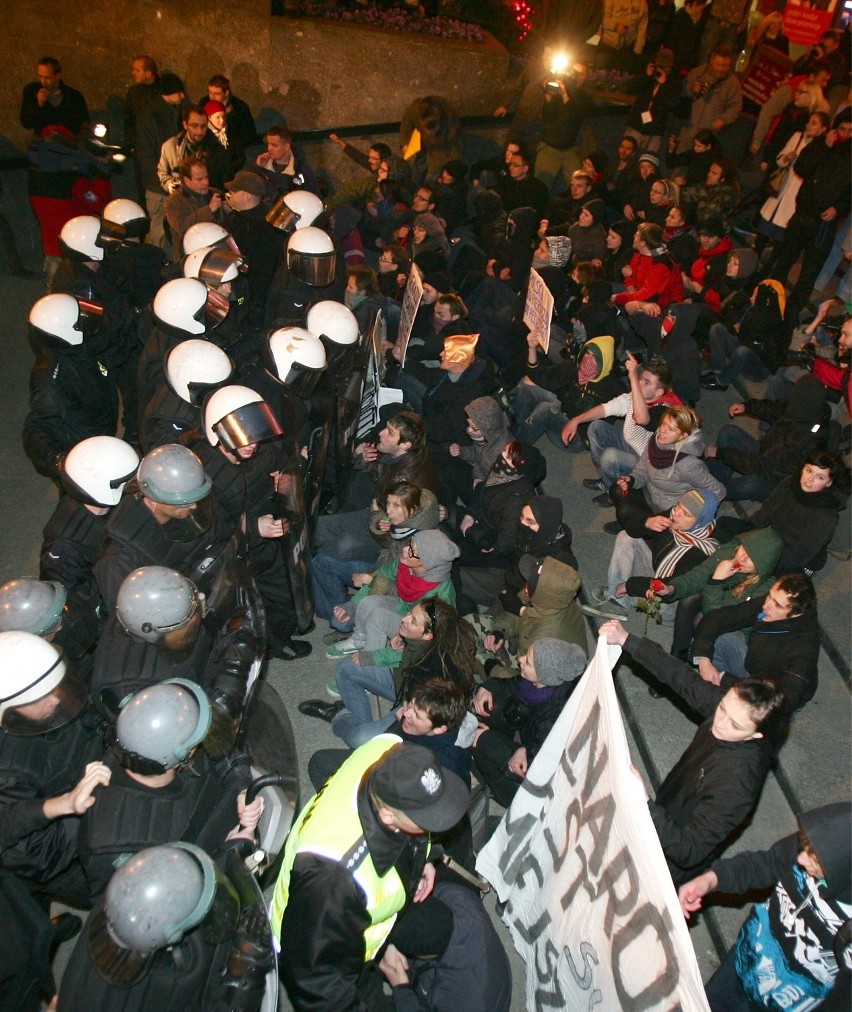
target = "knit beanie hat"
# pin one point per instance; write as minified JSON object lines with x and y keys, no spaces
{"x":441,"y":281}
{"x":558,"y":250}
{"x":430,"y":223}
{"x":436,"y":552}
{"x":170,"y":84}
{"x":460,"y":348}
{"x":711,"y":223}
{"x":596,"y":208}
{"x":556,"y":661}
{"x":213,"y":106}
{"x":600,"y":160}
{"x":701,"y":505}
{"x":648,"y":157}
{"x":456,"y":168}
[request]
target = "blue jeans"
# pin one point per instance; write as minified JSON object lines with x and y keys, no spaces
{"x":413,"y":390}
{"x":610,"y":452}
{"x":346,"y":536}
{"x":729,"y":653}
{"x":330,"y":582}
{"x":537,"y":411}
{"x":355,"y":723}
{"x":728,"y":358}
{"x":832,"y":261}
{"x":739,"y":486}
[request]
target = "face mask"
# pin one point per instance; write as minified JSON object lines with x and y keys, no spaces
{"x":479,"y":439}
{"x":540,"y":261}
{"x":352,"y":299}
{"x":438,"y":324}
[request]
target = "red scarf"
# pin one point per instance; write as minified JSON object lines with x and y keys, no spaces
{"x":411,"y":587}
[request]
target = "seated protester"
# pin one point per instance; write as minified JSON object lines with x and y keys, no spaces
{"x":735,"y":572}
{"x":679,"y":235}
{"x":701,"y":283}
{"x":343,"y":228}
{"x":550,"y":259}
{"x":451,"y":194}
{"x":516,"y":714}
{"x":671,"y":337}
{"x":596,"y":164}
{"x":518,"y":187}
{"x":488,"y":223}
{"x":777,"y":639}
{"x":384,"y":215}
{"x":663,"y":546}
{"x":576,"y":388}
{"x":372,"y":616}
{"x":806,"y":876}
{"x":587,"y":277}
{"x":657,"y":96}
{"x":619,"y":250}
{"x":448,"y":317}
{"x":713,"y":788}
{"x":489,"y":527}
{"x":735,"y":288}
{"x":720,"y":191}
{"x":541,"y":533}
{"x":750,"y":469}
{"x":489,"y":434}
{"x":759,"y":344}
{"x":564,"y":210}
{"x":689,"y":168}
{"x":163,"y":786}
{"x":621,"y":176}
{"x":515,"y":253}
{"x":433,"y":713}
{"x":587,"y":236}
{"x":394,"y":268}
{"x":407,"y":509}
{"x":429,"y":249}
{"x":803,"y":510}
{"x":652,"y":274}
{"x":669,"y":466}
{"x":638,"y":196}
{"x":664,"y":195}
{"x":464,"y":376}
{"x":431,"y":642}
{"x":362,"y":294}
{"x":548,"y":607}
{"x":615,"y":452}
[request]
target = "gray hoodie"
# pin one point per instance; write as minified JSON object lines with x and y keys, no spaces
{"x":665,"y":486}
{"x":491,"y":422}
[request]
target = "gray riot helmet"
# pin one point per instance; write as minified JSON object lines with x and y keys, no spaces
{"x":208,"y":233}
{"x":335,"y":325}
{"x":173,"y":476}
{"x":152,"y":900}
{"x":62,"y":319}
{"x":311,"y":257}
{"x":237,"y":416}
{"x":128,"y":214}
{"x":160,"y":606}
{"x":188,"y":305}
{"x":294,"y":357}
{"x":214,"y":265}
{"x":38,"y":693}
{"x":297,"y":209}
{"x":96,"y":470}
{"x":33,"y":606}
{"x":195,"y":367}
{"x":159,"y":727}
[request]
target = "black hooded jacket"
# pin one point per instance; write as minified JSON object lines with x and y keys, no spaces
{"x":553,"y":538}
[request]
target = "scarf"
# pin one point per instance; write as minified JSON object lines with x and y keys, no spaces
{"x":411,"y":587}
{"x":660,"y":457}
{"x":683,"y":542}
{"x":587,"y":373}
{"x":533,"y":695}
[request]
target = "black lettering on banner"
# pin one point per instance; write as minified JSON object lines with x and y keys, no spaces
{"x":518,"y":831}
{"x":532,"y":932}
{"x":619,"y":905}
{"x":582,"y":879}
{"x":529,"y":863}
{"x":598,"y":818}
{"x":647,"y":916}
{"x":552,"y":997}
{"x":588,"y":735}
{"x":589,"y":960}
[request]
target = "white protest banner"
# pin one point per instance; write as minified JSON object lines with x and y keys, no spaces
{"x":410,"y":302}
{"x":538,"y":309}
{"x":589,"y":899}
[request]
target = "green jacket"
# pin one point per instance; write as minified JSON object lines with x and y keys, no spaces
{"x":553,"y":609}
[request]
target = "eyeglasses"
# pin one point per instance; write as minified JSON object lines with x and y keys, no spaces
{"x":419,"y":198}
{"x":412,"y":552}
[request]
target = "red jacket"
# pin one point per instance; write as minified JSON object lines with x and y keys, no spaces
{"x":653,"y":280}
{"x":835,"y":377}
{"x":706,"y":268}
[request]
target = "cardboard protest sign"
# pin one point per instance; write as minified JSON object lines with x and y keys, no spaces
{"x":410,"y":303}
{"x":538,"y":309}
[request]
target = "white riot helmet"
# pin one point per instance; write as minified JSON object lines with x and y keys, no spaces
{"x":159,"y":726}
{"x":33,"y":606}
{"x":88,"y":238}
{"x":96,"y":470}
{"x":208,"y":233}
{"x":238,"y":416}
{"x":187,"y":304}
{"x":213,"y":265}
{"x":296,"y":358}
{"x":129,"y":214}
{"x":173,"y":475}
{"x":65,"y":319}
{"x":297,"y":209}
{"x":31,"y":669}
{"x":192,"y":368}
{"x":336,"y":327}
{"x":151,"y":902}
{"x":311,"y":256}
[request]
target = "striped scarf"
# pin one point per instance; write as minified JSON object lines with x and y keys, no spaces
{"x":683,"y":542}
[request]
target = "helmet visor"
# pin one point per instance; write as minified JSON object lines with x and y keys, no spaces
{"x":301,"y":379}
{"x":111,"y":236}
{"x":252,"y":423}
{"x":118,"y":966}
{"x":315,"y":269}
{"x":214,"y":310}
{"x":185,"y":523}
{"x":55,"y":709}
{"x":337,"y":355}
{"x":89,"y":320}
{"x":221,"y":265}
{"x":283,"y":217}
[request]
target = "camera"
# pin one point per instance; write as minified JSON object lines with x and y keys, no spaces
{"x":804,"y":357}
